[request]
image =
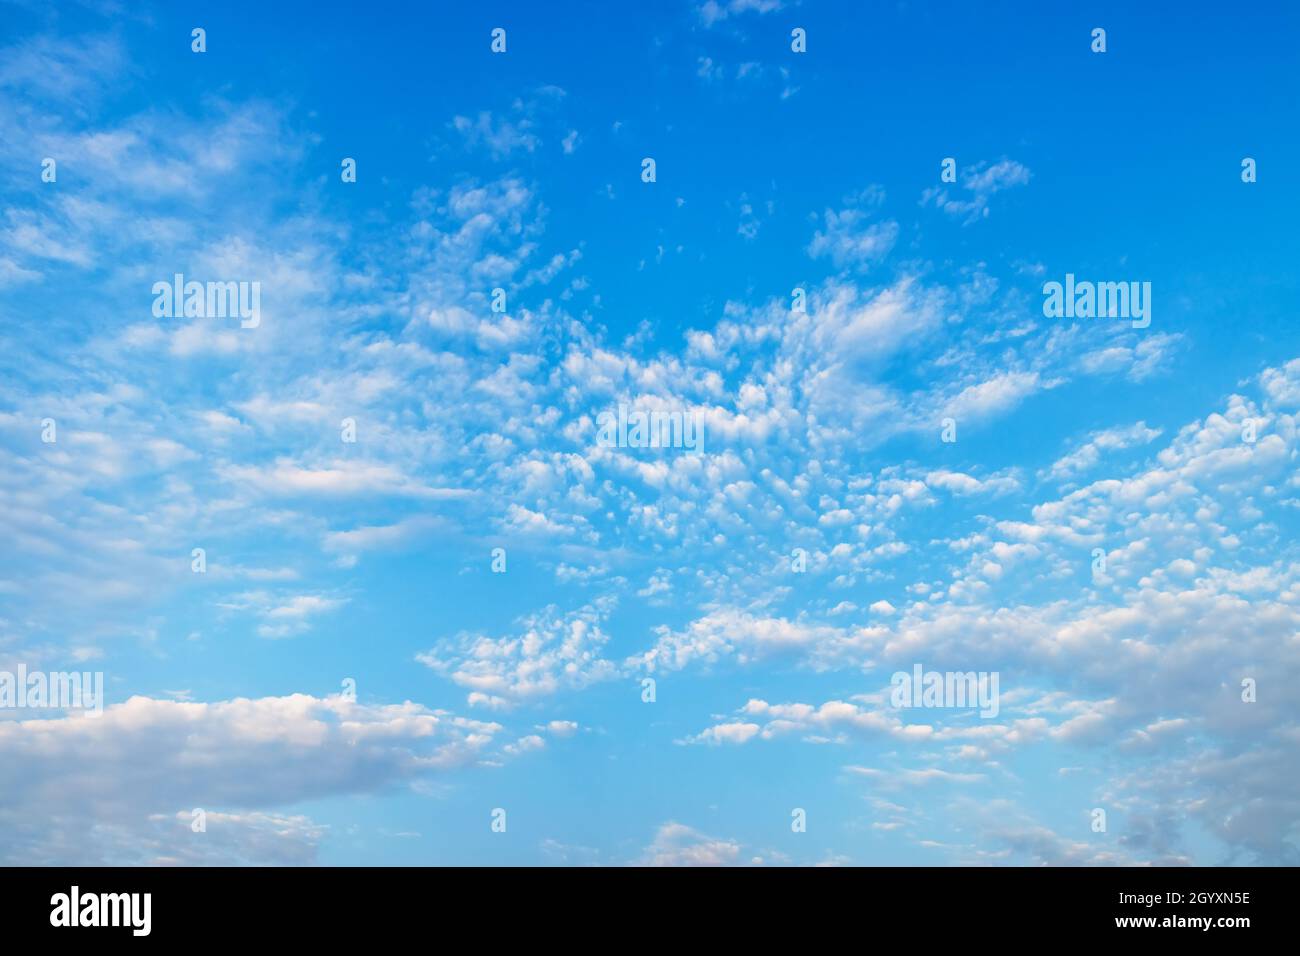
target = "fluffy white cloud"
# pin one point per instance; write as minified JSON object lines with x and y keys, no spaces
{"x":553,"y":652}
{"x":144,"y":761}
{"x":676,"y":844}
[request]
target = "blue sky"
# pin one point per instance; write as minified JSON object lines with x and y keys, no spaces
{"x":371,"y":561}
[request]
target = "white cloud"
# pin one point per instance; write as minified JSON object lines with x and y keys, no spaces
{"x":676,"y":844}
{"x":980,"y":181}
{"x":849,"y":239}
{"x":1091,"y":452}
{"x":501,"y":137}
{"x":553,"y":652}
{"x":713,"y":11}
{"x":144,"y":758}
